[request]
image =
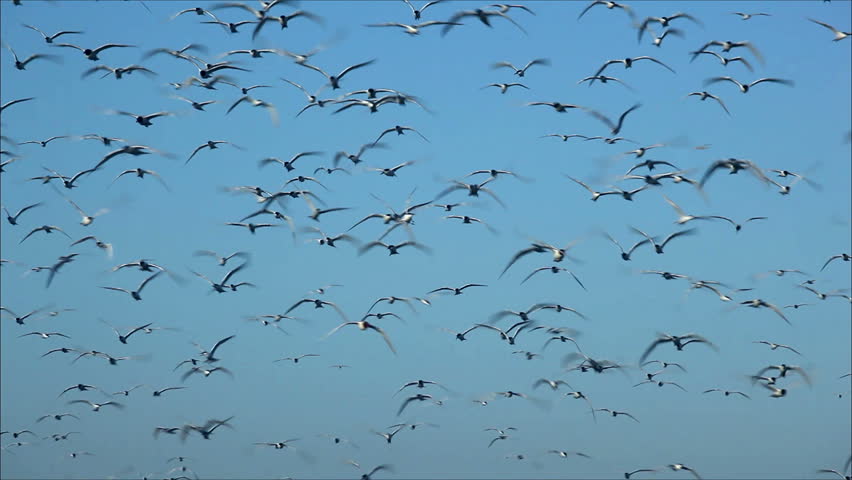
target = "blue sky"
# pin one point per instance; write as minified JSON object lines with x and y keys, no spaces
{"x":804,"y":129}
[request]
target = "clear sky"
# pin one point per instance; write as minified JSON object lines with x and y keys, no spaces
{"x":803,"y":128}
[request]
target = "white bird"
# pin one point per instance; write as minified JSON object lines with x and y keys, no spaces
{"x":838,"y":35}
{"x":365,"y":325}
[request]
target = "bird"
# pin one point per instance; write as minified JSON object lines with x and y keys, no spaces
{"x":616,"y":413}
{"x":123,"y":338}
{"x":135,"y":294}
{"x":43,"y":143}
{"x":140,"y":173}
{"x":626,"y":255}
{"x":679,"y":466}
{"x":287,"y":164}
{"x":87,"y":219}
{"x":212,"y":145}
{"x":504,"y":87}
{"x":481,"y":15}
{"x":419,"y":397}
{"x":462,"y":336}
{"x":609,"y":5}
{"x":659,"y":247}
{"x":334,"y":80}
{"x":704,"y":96}
{"x":418,"y":12}
{"x":727,"y":46}
{"x":51,"y":38}
{"x":744,"y":88}
{"x":296,"y":359}
{"x":520,"y":72}
{"x":456,"y":290}
{"x":628,"y":63}
{"x":365,"y":325}
{"x":388,"y":436}
{"x":615,"y":128}
{"x":412,"y":29}
{"x":727,"y":392}
{"x":838,"y":35}
{"x":725,"y":60}
{"x":273,"y":112}
{"x":595,"y":194}
{"x":391,"y":172}
{"x":393,"y":249}
{"x":45,"y":335}
{"x":160,"y":392}
{"x":679,"y":342}
{"x":558,"y":106}
{"x":757,"y":303}
{"x":222,"y":285}
{"x":92,"y":53}
{"x":118,"y":72}
{"x":842,"y":256}
{"x":145,"y":120}
{"x":209,"y":355}
{"x":46,"y":229}
{"x":748,"y":16}
{"x":627,"y":475}
{"x":318,"y":303}
{"x":565,"y":454}
{"x":369,"y":476}
{"x":604,"y":79}
{"x":554,"y":269}
{"x":97,"y":406}
{"x":205,"y":371}
{"x":13,"y":219}
{"x":222,"y":261}
{"x":400,"y":130}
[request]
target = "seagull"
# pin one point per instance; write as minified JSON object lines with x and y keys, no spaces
{"x":540,"y":247}
{"x":457,"y":290}
{"x":391,"y":172}
{"x":389,"y":436}
{"x":45,"y":335}
{"x":658,"y":41}
{"x":757,"y":303}
{"x":564,"y":137}
{"x":252,"y":227}
{"x":734,"y":166}
{"x":136,"y":293}
{"x":287,"y":164}
{"x":481,"y":15}
{"x":615,"y":128}
{"x":664,"y":21}
{"x":222,"y":285}
{"x":727,"y":392}
{"x":318,"y":303}
{"x":206,"y":372}
{"x":394,"y":249}
{"x":207,"y":429}
{"x":57,"y":416}
{"x":565,"y":454}
{"x":158,"y":393}
{"x":520,"y":72}
{"x":118,"y":71}
{"x":462,"y":336}
{"x":273,"y":113}
{"x":704,"y":96}
{"x":608,"y":4}
{"x":43,"y":143}
{"x":604,"y":79}
{"x":659,"y":247}
{"x":87,"y":219}
{"x":356,"y":157}
{"x":679,"y":466}
{"x":677,"y":341}
{"x":296,"y":359}
{"x":559,"y":107}
{"x":68,"y":182}
{"x":51,"y":38}
{"x":400,"y":130}
{"x":660,"y":384}
{"x":553,"y":384}
{"x":554,"y":269}
{"x":843,"y":256}
{"x":628,"y":63}
{"x":626,"y":255}
{"x":140,"y":173}
{"x":727,"y":46}
{"x":221,"y":260}
{"x":627,"y":475}
{"x":725,"y":60}
{"x":744,"y":88}
{"x":365,"y":325}
{"x":616,"y":413}
{"x":838,"y":35}
{"x":650,"y":164}
{"x":13,"y":219}
{"x":595,"y":194}
{"x":45,"y":229}
{"x":277,"y":445}
{"x":92,"y":54}
{"x":412,"y":29}
{"x":748,"y":16}
{"x":97,"y":406}
{"x":123,"y":338}
{"x":505,"y":86}
{"x":211,"y":144}
{"x":419,"y":11}
{"x":334,"y":80}
{"x":144,"y":120}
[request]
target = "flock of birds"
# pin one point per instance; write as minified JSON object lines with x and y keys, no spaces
{"x":213,"y":81}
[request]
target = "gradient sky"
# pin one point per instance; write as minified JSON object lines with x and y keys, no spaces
{"x":803,"y":129}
